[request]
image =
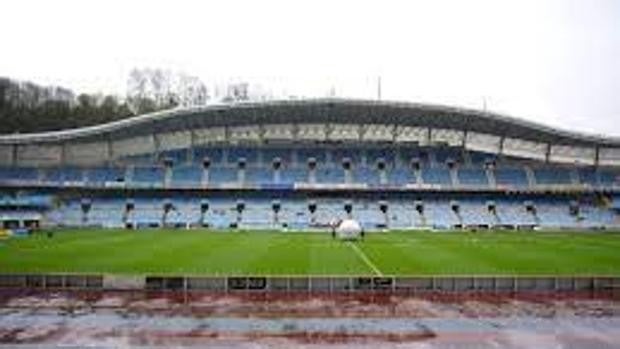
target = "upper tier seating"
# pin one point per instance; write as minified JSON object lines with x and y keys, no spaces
{"x":438,"y":175}
{"x":401,"y":176}
{"x":479,"y":158}
{"x":304,"y":154}
{"x":249,"y":154}
{"x":511,"y":176}
{"x":473,"y":177}
{"x":259,"y":175}
{"x":398,"y":169}
{"x":188,"y":175}
{"x":374,"y":155}
{"x":216,"y":155}
{"x":588,"y":176}
{"x":219,"y":175}
{"x":149,"y":175}
{"x":63,"y":174}
{"x":285,"y":156}
{"x":442,"y":155}
{"x":330,"y":175}
{"x":609,"y":178}
{"x":366,"y":175}
{"x":101,"y":175}
{"x":595,"y":178}
{"x":18,"y":173}
{"x":554,"y":175}
{"x":293,"y":175}
{"x":178,"y":156}
{"x":339,"y":154}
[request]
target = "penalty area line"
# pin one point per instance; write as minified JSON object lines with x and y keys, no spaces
{"x":365,"y":258}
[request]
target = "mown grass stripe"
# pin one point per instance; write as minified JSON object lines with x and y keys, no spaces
{"x":365,"y":258}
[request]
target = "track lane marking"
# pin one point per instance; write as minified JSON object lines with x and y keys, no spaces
{"x":365,"y":258}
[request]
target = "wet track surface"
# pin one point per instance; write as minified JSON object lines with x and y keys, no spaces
{"x":127,"y":321}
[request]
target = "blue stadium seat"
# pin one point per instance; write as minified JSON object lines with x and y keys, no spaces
{"x":339,"y":154}
{"x":480,"y":158}
{"x":100,"y":175}
{"x":19,"y":173}
{"x":511,"y":177}
{"x":63,"y":174}
{"x":269,"y":154}
{"x":472,"y":177}
{"x":609,"y":178}
{"x":188,"y":175}
{"x":553,"y":175}
{"x":588,"y":176}
{"x":259,"y":175}
{"x":406,"y":154}
{"x":291,"y":175}
{"x":401,"y":176}
{"x":249,"y":154}
{"x":365,"y":175}
{"x":178,"y":156}
{"x":148,"y":176}
{"x":222,"y":175}
{"x":438,"y":175}
{"x":304,"y":154}
{"x":374,"y":154}
{"x":138,"y":159}
{"x":330,"y":175}
{"x":216,"y":155}
{"x":444,"y":154}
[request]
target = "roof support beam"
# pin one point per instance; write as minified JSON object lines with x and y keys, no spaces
{"x":109,"y":151}
{"x":14,"y":154}
{"x":500,"y":151}
{"x":464,"y":154}
{"x":361,"y":130}
{"x":227,"y":134}
{"x":63,"y":153}
{"x":394,"y":133}
{"x":192,"y":145}
{"x":330,"y":110}
{"x":157,"y":147}
{"x":597,"y":156}
{"x":294,"y":131}
{"x":261,"y":133}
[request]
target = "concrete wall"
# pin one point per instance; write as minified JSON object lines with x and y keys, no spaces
{"x":39,"y":155}
{"x":94,"y":153}
{"x":447,"y":284}
{"x":6,"y":155}
{"x":133,"y":146}
{"x":174,"y":140}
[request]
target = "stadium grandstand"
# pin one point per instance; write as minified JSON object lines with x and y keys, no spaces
{"x":301,"y":164}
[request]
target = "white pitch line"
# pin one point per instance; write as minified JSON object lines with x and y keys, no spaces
{"x":365,"y":258}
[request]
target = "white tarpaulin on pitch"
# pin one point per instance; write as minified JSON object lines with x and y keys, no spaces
{"x":349,"y":229}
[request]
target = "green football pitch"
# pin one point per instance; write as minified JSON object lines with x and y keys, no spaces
{"x":202,"y":252}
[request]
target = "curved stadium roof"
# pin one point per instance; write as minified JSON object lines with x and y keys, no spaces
{"x":342,"y":111}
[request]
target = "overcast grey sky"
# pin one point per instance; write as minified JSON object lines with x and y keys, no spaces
{"x":556,"y":62}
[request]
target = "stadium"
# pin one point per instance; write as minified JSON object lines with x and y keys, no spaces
{"x":304,"y":223}
{"x":252,"y":190}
